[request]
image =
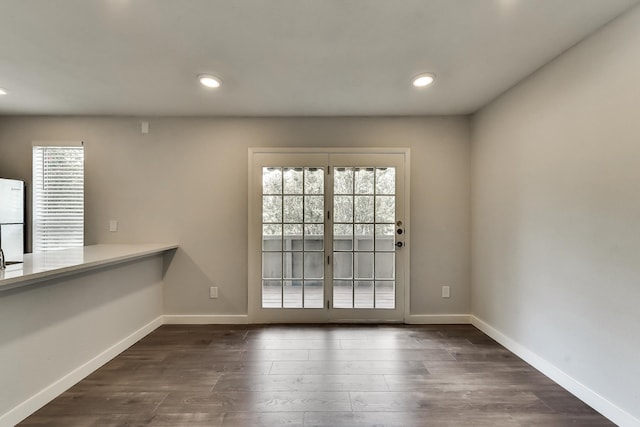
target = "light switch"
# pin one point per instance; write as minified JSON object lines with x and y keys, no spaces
{"x":113,"y":225}
{"x":446,"y":292}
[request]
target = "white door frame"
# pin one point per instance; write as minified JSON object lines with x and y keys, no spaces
{"x":256,"y":314}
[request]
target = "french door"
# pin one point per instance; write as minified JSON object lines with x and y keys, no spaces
{"x":327,"y":236}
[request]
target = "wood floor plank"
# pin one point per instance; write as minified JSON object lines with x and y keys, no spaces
{"x":185,"y":419}
{"x":198,"y":355}
{"x":292,"y":344}
{"x":316,"y":375}
{"x":280,"y":354}
{"x":505,"y":367}
{"x":559,"y":400}
{"x":80,"y":420}
{"x":149,"y":379}
{"x":560,"y":420}
{"x":298,"y":401}
{"x":463,"y":382}
{"x":263,"y":419}
{"x":262,"y":383}
{"x":257,"y":367}
{"x":481,"y":401}
{"x":391,"y":344}
{"x":406,"y":419}
{"x":103,"y":403}
{"x":375,"y":367}
{"x":381,"y":354}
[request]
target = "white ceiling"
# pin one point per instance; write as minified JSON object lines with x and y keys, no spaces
{"x":279,"y":57}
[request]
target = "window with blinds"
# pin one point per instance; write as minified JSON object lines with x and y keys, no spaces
{"x":58,"y":197}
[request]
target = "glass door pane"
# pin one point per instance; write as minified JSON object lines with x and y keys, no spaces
{"x":292,"y":237}
{"x":364,"y":200}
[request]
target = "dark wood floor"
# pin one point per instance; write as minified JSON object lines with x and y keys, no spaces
{"x":329,"y":375}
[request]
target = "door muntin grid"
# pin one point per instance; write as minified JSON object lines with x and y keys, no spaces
{"x":293,"y":237}
{"x":364,"y":237}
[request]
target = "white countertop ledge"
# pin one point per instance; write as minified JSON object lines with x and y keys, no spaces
{"x":43,"y":266}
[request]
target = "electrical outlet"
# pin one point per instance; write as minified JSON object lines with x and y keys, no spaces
{"x":446,"y":292}
{"x":113,"y":225}
{"x":213,"y":292}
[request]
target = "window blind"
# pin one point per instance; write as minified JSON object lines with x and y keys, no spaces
{"x":58,"y":197}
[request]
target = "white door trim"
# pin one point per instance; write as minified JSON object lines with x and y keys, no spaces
{"x":254,"y":232}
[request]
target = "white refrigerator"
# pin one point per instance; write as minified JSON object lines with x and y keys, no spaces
{"x":12,"y":198}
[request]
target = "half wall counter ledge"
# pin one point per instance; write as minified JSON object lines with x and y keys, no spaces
{"x":43,"y":266}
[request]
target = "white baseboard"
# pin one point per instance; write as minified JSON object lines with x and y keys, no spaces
{"x":205,"y":319}
{"x":52,"y":391}
{"x":241,"y":319}
{"x":438,"y":319}
{"x":582,"y":392}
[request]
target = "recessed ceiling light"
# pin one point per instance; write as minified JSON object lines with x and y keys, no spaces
{"x":423,"y":80}
{"x":3,"y":91}
{"x":209,"y":80}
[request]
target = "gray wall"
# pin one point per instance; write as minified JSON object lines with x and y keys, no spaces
{"x":186,"y":182}
{"x":556,"y":213}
